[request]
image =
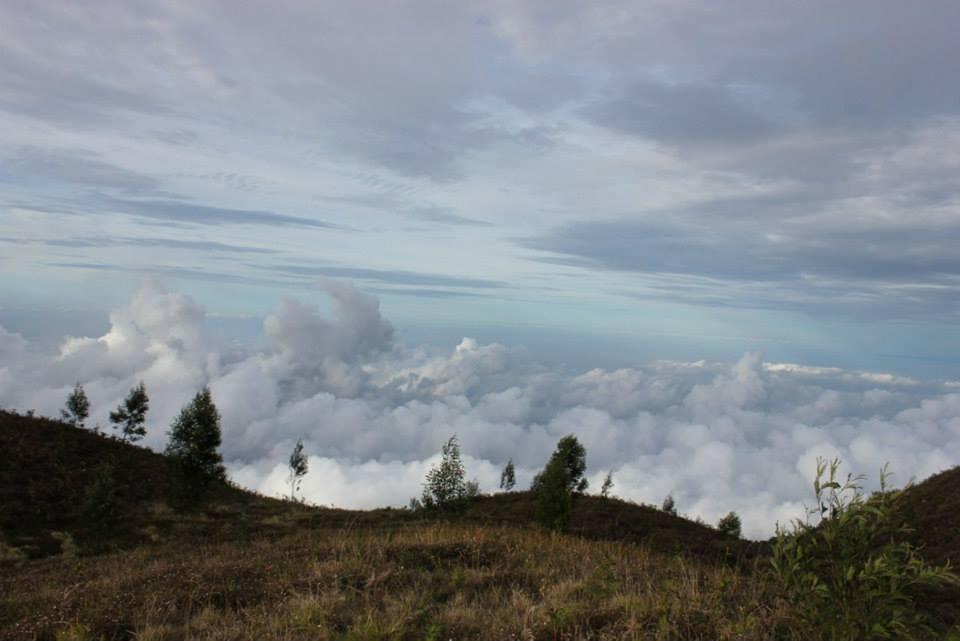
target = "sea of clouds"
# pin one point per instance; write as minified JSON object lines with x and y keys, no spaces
{"x":373,"y":413}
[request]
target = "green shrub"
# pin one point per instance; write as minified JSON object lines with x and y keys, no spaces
{"x":849,"y":575}
{"x":730,"y":524}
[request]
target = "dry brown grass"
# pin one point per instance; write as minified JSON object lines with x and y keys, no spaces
{"x":428,"y":581}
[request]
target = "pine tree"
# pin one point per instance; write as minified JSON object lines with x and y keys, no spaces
{"x":508,"y":477}
{"x":194,"y":439}
{"x":77,"y":408}
{"x":131,"y":415}
{"x":445,"y":487}
{"x":298,"y":469}
{"x":607,"y":485}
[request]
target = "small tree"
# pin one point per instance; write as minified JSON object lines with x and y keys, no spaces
{"x":573,"y":456}
{"x":131,"y":415}
{"x":508,"y":477}
{"x":669,"y":506}
{"x":445,"y":487}
{"x":77,"y":408}
{"x":194,"y":439}
{"x":298,"y":469}
{"x":607,"y":485}
{"x":730,"y":524}
{"x":554,"y":496}
{"x":471,"y":489}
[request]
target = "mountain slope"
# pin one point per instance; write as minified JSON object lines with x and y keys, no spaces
{"x":54,"y":477}
{"x":932,"y":510}
{"x":51,"y":471}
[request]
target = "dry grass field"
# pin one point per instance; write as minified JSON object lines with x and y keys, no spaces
{"x":423,"y":581}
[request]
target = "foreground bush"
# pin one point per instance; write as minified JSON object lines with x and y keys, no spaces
{"x":849,"y":574}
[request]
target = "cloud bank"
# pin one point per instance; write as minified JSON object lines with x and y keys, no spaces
{"x":373,"y":413}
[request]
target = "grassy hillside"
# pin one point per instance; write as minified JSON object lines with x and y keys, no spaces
{"x":425,"y":581}
{"x":932,"y":510}
{"x":241,"y":566}
{"x":49,"y":471}
{"x":49,"y":468}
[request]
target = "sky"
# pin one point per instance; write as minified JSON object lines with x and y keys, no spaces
{"x":627,"y":206}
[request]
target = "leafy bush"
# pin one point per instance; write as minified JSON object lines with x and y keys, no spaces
{"x":730,"y":524}
{"x":849,"y":575}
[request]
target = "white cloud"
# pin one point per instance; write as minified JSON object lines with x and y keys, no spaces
{"x":373,"y":414}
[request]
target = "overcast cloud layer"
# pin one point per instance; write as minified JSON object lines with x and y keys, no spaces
{"x":372,"y":413}
{"x":744,"y":167}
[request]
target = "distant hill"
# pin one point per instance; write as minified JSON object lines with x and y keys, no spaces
{"x":48,"y":467}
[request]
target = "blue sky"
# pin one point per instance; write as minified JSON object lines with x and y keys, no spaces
{"x":612,"y":181}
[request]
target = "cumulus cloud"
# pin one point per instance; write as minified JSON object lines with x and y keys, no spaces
{"x":372,"y":413}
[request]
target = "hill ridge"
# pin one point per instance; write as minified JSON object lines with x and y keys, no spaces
{"x":50,"y":465}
